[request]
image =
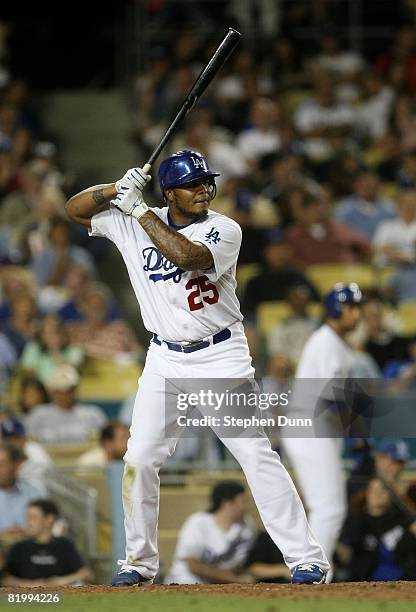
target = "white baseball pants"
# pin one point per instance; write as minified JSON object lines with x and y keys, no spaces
{"x":152,"y":441}
{"x":319,"y":472}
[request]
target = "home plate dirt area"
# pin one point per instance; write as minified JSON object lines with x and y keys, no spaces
{"x":376,"y":591}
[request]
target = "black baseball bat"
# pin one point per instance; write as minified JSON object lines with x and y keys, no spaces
{"x":217,"y":59}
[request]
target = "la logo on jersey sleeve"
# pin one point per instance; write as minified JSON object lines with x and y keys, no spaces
{"x":213,"y":236}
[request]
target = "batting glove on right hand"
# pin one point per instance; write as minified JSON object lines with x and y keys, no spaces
{"x":130,"y":202}
{"x":134,"y":178}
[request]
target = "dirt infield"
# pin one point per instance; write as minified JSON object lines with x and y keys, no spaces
{"x":375,"y":591}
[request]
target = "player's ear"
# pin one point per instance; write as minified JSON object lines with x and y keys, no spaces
{"x":169,"y":195}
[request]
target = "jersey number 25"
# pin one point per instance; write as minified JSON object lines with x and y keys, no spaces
{"x":202,"y":291}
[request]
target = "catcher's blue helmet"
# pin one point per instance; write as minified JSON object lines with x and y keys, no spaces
{"x":184,"y":167}
{"x":341,"y":294}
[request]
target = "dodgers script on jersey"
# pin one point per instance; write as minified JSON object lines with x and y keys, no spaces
{"x":203,"y":539}
{"x":178,"y":305}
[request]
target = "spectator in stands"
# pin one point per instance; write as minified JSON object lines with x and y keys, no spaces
{"x":43,"y":559}
{"x":32,"y":393}
{"x":52,"y":263}
{"x":213,"y":546}
{"x":15,"y":493}
{"x":343,"y":64}
{"x":35,"y":460}
{"x":394,"y":244}
{"x":237,"y":91}
{"x":365,"y":209}
{"x":389,"y":159}
{"x":15,"y":280}
{"x":341,"y":173}
{"x":323,"y":122}
{"x":113,"y":446}
{"x":262,"y":138}
{"x":76,"y":283}
{"x":291,"y":333}
{"x":406,"y":172}
{"x":25,"y":212}
{"x":273,"y":282}
{"x":379,"y":337}
{"x":8,"y":359}
{"x":404,"y":122}
{"x":265,"y":561}
{"x":50,"y":348}
{"x":315,"y":238}
{"x":201,"y":135}
{"x":387,"y":462}
{"x":276,"y":277}
{"x":403,"y":371}
{"x":21,"y":325}
{"x":8,"y":167}
{"x":287,"y":173}
{"x":64,"y":419}
{"x":99,"y":336}
{"x":14,"y":130}
{"x":402,"y":54}
{"x":379,"y":540}
{"x":373,"y":112}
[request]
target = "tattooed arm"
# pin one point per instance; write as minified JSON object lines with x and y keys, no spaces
{"x":174,"y":246}
{"x":84,"y":205}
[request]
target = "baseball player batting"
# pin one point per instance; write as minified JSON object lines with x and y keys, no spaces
{"x":317,"y":461}
{"x":181,"y":260}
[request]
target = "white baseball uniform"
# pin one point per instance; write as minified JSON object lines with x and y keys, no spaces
{"x":317,"y":461}
{"x":203,"y":539}
{"x":180,"y":306}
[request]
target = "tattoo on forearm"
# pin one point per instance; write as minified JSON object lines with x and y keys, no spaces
{"x":98,"y":196}
{"x":174,"y":246}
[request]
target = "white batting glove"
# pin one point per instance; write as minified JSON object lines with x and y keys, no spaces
{"x":130,"y":202}
{"x":135,"y":177}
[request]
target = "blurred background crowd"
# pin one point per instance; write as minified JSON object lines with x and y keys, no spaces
{"x":312,"y":125}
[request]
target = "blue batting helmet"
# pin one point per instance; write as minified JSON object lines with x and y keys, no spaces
{"x":183,"y":167}
{"x":341,"y":294}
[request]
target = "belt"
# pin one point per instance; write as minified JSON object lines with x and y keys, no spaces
{"x":197,"y":345}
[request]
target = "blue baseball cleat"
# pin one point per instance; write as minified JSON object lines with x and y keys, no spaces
{"x":308,"y":573}
{"x":126,"y":577}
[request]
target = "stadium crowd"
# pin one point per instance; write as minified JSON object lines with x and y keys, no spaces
{"x":316,"y":146}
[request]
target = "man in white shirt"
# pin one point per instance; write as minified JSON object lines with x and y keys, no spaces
{"x":263,"y":137}
{"x":181,"y":261}
{"x":323,"y":121}
{"x":64,"y":419}
{"x":113,"y":446}
{"x":326,"y":359}
{"x":394,"y":244}
{"x":213,"y":546}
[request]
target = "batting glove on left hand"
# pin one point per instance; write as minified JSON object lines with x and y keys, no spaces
{"x":134,"y":178}
{"x":130,"y":202}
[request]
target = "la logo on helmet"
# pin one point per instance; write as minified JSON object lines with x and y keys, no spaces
{"x":198,"y":163}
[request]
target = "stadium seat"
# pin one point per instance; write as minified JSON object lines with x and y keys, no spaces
{"x":407,"y":316}
{"x":244,"y":273}
{"x":269,"y":314}
{"x":108,"y":380}
{"x":325,"y":276}
{"x":66,"y":454}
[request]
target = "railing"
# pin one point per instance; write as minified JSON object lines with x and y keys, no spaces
{"x":78,"y":503}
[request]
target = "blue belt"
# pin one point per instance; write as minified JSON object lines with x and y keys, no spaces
{"x":191,"y":347}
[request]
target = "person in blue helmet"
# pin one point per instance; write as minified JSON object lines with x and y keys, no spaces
{"x":326,"y":361}
{"x":181,"y":261}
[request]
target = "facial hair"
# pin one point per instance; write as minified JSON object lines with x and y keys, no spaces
{"x":196,"y":216}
